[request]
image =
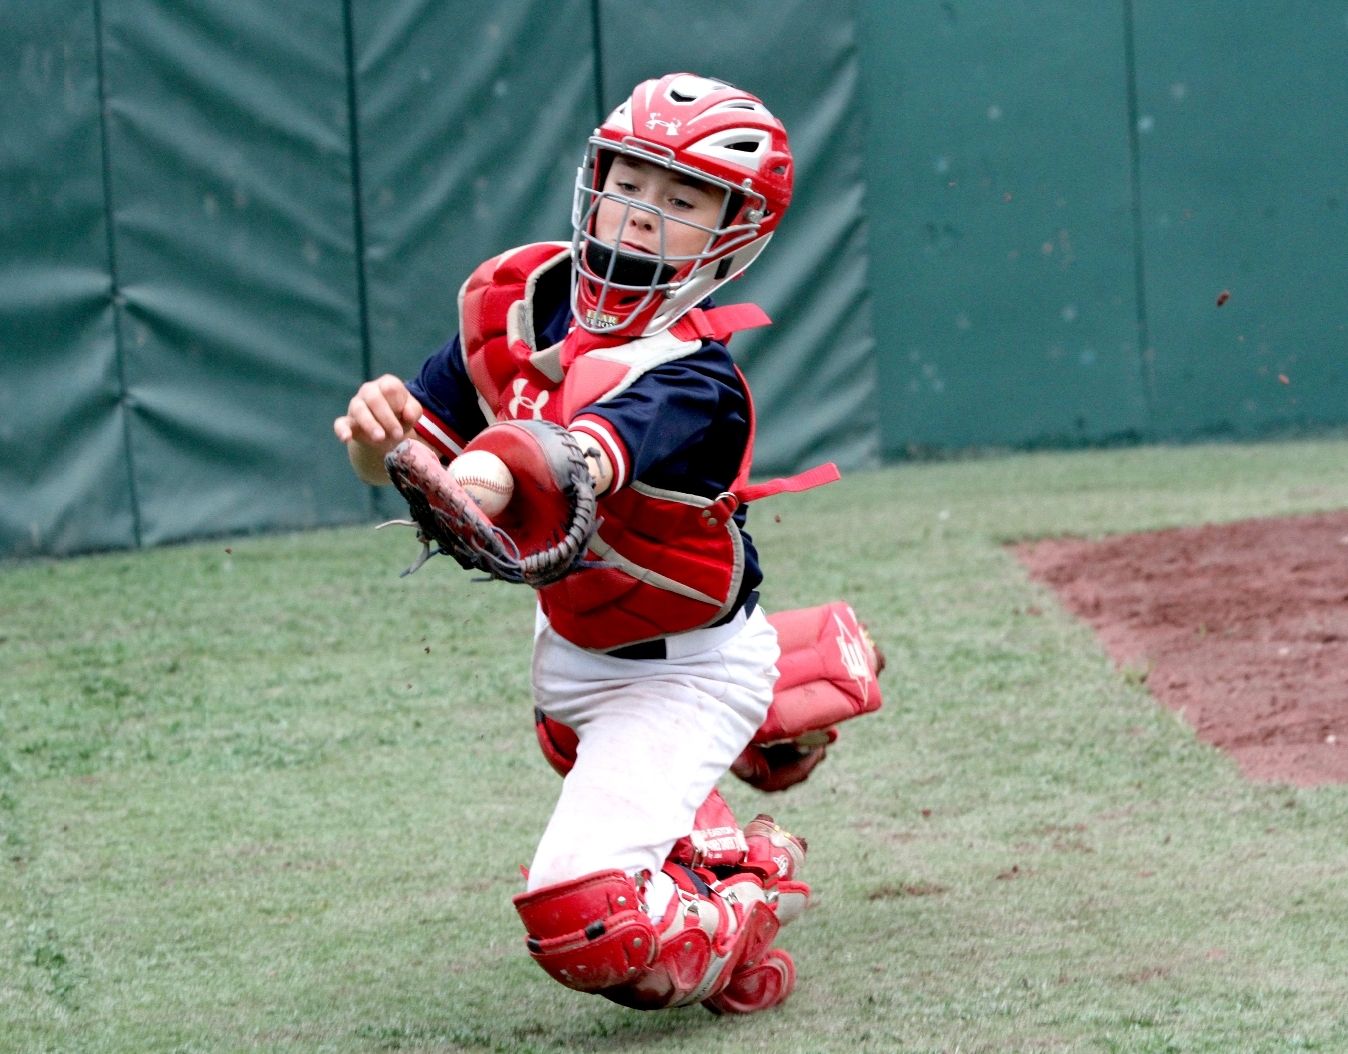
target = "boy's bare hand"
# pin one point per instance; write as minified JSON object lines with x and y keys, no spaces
{"x":380,"y":416}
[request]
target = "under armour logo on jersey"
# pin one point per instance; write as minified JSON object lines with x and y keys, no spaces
{"x":853,"y":656}
{"x":671,"y":126}
{"x":529,"y":405}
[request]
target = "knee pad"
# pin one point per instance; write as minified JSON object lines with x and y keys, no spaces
{"x":780,"y":855}
{"x":589,"y":933}
{"x":715,"y":840}
{"x":773,"y":847}
{"x":773,"y":854}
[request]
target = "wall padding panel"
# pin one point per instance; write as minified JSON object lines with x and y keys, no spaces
{"x":64,"y":480}
{"x":1243,"y":120}
{"x":1000,"y":204}
{"x":233,"y":224}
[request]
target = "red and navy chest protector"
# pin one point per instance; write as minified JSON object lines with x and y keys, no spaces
{"x":672,"y":413}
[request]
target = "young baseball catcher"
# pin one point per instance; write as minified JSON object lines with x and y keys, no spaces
{"x":587,"y":434}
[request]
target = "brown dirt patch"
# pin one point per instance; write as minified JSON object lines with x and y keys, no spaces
{"x":1241,"y":628}
{"x":914,"y":889}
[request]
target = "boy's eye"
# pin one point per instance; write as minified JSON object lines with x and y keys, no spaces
{"x":628,"y":188}
{"x":680,"y":203}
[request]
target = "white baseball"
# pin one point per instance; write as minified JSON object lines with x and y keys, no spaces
{"x":485,"y":476}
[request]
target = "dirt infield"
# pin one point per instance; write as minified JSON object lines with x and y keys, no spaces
{"x":1241,"y":628}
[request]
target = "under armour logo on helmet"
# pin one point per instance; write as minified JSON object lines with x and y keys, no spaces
{"x":671,"y":126}
{"x":532,"y":407}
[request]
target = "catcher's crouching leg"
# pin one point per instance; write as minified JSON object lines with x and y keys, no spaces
{"x":713,"y":944}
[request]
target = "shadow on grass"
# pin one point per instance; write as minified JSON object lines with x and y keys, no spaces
{"x":607,"y":1027}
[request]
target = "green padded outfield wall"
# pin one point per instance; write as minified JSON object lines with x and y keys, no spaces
{"x":1002,"y":260}
{"x":64,"y":478}
{"x":812,"y":371}
{"x":473,"y":120}
{"x":236,"y":277}
{"x":1243,"y":137}
{"x":1058,"y":194}
{"x":1012,"y":223}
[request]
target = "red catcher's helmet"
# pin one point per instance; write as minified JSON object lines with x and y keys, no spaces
{"x":696,"y":127}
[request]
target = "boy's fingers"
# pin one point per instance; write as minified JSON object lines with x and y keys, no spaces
{"x":365,"y":427}
{"x":381,"y":410}
{"x":395,"y":393}
{"x":371,"y":398}
{"x":411,"y":410}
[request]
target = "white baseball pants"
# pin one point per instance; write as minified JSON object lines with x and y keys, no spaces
{"x":655,"y":736}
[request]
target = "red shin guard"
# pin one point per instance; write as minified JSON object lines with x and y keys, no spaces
{"x":757,"y":987}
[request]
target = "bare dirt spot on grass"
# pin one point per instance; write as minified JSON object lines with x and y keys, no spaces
{"x":1059,"y":828}
{"x":912,"y":889}
{"x":1240,"y":628}
{"x":1151,"y":973}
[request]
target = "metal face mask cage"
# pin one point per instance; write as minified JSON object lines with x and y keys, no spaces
{"x":626,"y":284}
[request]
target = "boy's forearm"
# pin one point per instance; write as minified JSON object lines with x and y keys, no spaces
{"x":368,"y":461}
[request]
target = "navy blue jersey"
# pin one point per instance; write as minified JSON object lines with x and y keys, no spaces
{"x":683,"y":425}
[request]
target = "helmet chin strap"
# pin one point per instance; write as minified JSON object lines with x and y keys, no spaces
{"x":629,"y":269}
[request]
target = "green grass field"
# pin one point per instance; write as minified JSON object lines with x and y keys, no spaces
{"x":277,"y":800}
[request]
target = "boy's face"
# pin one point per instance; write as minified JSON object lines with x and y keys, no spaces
{"x":681,"y":198}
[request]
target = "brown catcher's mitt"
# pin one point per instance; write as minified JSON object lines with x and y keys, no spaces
{"x":543,"y":533}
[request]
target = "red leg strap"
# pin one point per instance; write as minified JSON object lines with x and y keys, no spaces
{"x":716,"y":839}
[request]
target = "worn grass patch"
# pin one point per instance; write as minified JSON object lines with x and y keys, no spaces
{"x":276,"y":799}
